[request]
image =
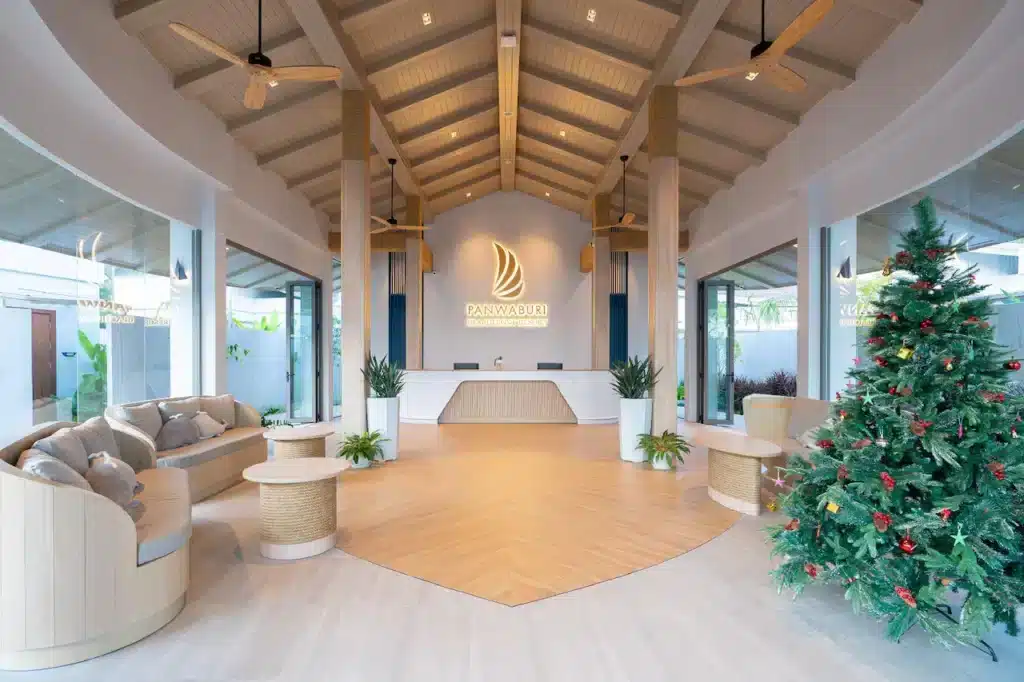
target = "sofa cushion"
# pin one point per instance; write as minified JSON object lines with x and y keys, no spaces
{"x":178,"y":432}
{"x":166,"y":522}
{"x":111,"y":478}
{"x":221,"y":408}
{"x":145,"y":417}
{"x":67,"y":447}
{"x":186,"y":406}
{"x":210,"y":449}
{"x":807,"y":413}
{"x":97,"y":436}
{"x":38,"y":463}
{"x":208,"y":426}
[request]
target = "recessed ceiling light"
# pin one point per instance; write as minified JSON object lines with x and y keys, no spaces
{"x":272,"y":84}
{"x":561,"y":133}
{"x":752,"y":75}
{"x":547,"y":194}
{"x":427,"y":19}
{"x":591,"y":15}
{"x":469,"y":194}
{"x":454,"y":134}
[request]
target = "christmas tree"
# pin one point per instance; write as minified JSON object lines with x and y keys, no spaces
{"x":914,"y":496}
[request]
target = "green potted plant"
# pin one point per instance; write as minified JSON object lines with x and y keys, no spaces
{"x":386,"y":380}
{"x":362,"y":448}
{"x":633,"y":380}
{"x":663,"y":451}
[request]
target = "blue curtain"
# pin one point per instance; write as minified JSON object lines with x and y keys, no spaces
{"x":618,"y":338}
{"x":396,"y":329}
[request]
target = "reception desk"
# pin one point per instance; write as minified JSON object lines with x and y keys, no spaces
{"x":509,"y":396}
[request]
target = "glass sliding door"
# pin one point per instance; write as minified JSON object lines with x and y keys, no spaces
{"x":301,"y":304}
{"x":718,"y":303}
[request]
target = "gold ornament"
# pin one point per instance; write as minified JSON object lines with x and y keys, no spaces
{"x":887,"y":267}
{"x":949,"y":366}
{"x":832,"y":507}
{"x":905,"y":353}
{"x":772,"y":505}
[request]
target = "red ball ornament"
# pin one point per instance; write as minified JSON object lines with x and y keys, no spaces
{"x":880,"y":361}
{"x":881,"y":316}
{"x":892,"y":390}
{"x":973,"y":319}
{"x":877,"y":341}
{"x":882,"y":521}
{"x":888,"y":482}
{"x":907,"y":545}
{"x":904,"y":258}
{"x":944,"y":514}
{"x":894,"y":317}
{"x":826,"y":443}
{"x":921,"y":285}
{"x":843,"y":473}
{"x":907,"y":596}
{"x":993,"y":397}
{"x":811,"y":570}
{"x":919,"y":426}
{"x":927,"y":324}
{"x":998,"y":470}
{"x":842,"y":415}
{"x":932,"y":254}
{"x":1013,"y":365}
{"x":860,"y":444}
{"x":794,"y":524}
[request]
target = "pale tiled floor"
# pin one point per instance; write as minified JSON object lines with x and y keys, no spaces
{"x":709,"y":615}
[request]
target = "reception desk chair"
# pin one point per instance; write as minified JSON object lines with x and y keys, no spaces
{"x":549,"y":365}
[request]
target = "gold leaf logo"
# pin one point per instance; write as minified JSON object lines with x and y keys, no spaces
{"x":508,"y":275}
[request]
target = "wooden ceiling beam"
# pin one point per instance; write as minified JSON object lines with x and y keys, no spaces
{"x":900,"y":10}
{"x":450,"y":120}
{"x":453,"y":147}
{"x":746,"y":150}
{"x":436,"y":43}
{"x":468,"y":184}
{"x":598,"y":93}
{"x":682,"y":43}
{"x":569,"y":120}
{"x":561,"y":145}
{"x":319,"y":21}
{"x":553,"y":185}
{"x":135,"y":16}
{"x":593,"y":48}
{"x":253,"y":117}
{"x":836,"y":73}
{"x":367,"y":11}
{"x":556,"y":167}
{"x":478,"y":160}
{"x":509,"y":20}
{"x":298,"y":145}
{"x":220,"y":73}
{"x":790,"y":118}
{"x":672,"y":8}
{"x":424,"y":93}
{"x":323,"y":171}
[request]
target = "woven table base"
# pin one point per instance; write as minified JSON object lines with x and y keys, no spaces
{"x":298,"y":519}
{"x":293,"y":449}
{"x":735,"y":481}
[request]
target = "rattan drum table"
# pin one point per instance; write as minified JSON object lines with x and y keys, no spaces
{"x":298,"y":505}
{"x":300,"y":441}
{"x":734,"y":467}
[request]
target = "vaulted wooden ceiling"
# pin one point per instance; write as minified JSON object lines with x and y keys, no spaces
{"x":465,"y":116}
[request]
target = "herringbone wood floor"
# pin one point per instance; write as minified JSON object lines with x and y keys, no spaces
{"x":516,"y":513}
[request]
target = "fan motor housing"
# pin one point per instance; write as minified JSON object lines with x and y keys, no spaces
{"x":760,"y":48}
{"x":260,"y":59}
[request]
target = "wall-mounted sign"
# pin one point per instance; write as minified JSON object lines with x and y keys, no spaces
{"x":112,"y":312}
{"x":509,"y":286}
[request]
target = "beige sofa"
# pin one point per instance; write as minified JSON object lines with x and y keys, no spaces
{"x":781,"y":420}
{"x":212,"y":465}
{"x":79,"y":578}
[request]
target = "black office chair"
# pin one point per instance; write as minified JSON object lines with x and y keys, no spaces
{"x":467,"y":365}
{"x":549,"y":365}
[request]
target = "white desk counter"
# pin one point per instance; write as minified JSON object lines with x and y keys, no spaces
{"x":509,"y":396}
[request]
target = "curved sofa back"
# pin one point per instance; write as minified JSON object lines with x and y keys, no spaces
{"x":10,"y":453}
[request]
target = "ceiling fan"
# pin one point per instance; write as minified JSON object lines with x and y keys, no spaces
{"x":627,"y":221}
{"x":391,"y":225}
{"x":766,"y":55}
{"x":262,"y":72}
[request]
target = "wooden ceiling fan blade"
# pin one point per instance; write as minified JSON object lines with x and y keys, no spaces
{"x":199,"y":40}
{"x":256,"y":93}
{"x":627,"y":219}
{"x":801,"y":26}
{"x":382,"y":221}
{"x":381,"y":230}
{"x":784,"y":78}
{"x":715,"y":74}
{"x":602,"y":228}
{"x":305,"y":73}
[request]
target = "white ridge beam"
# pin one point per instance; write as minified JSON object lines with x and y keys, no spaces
{"x":509,"y":15}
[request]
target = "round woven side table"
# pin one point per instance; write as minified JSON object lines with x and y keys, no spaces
{"x":298,"y":505}
{"x":300,"y":441}
{"x":734,"y":466}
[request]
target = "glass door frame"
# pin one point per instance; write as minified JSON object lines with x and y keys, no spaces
{"x":702,"y":346}
{"x":316,"y":365}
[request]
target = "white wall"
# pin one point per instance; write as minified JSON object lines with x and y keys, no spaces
{"x":16,"y":377}
{"x":920,"y":108}
{"x":547,"y":240}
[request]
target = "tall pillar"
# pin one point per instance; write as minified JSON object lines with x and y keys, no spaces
{"x":414,"y":286}
{"x":213,"y":287}
{"x":600,"y":278}
{"x":355,"y":257}
{"x":663,"y":248}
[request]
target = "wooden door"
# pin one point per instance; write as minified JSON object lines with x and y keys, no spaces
{"x":44,"y":354}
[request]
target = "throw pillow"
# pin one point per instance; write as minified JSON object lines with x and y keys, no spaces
{"x":186,"y":406}
{"x":97,"y":436}
{"x":208,"y":426}
{"x":38,"y":463}
{"x":144,"y":417}
{"x":67,"y":447}
{"x":221,"y":408}
{"x":111,"y":478}
{"x":177,"y":433}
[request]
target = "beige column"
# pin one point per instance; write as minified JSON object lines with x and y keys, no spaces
{"x":355,"y":258}
{"x":600,"y":280}
{"x":414,"y":285}
{"x":663,"y":248}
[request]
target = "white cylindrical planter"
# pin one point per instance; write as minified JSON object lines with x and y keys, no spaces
{"x":661,"y":464}
{"x":363,"y":463}
{"x":382,"y":415}
{"x":634,"y":421}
